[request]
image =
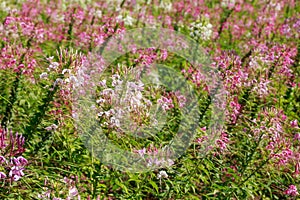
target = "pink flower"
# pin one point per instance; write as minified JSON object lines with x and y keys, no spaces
{"x":164,"y":54}
{"x":2,"y":175}
{"x":166,"y":103}
{"x":297,"y":169}
{"x":51,"y":127}
{"x":291,"y":191}
{"x":73,"y":192}
{"x":22,"y":160}
{"x":141,"y":152}
{"x":294,"y":123}
{"x":2,"y":159}
{"x":16,"y":173}
{"x":221,"y":144}
{"x":201,"y":139}
{"x":180,"y":98}
{"x":8,"y":20}
{"x":223,"y":141}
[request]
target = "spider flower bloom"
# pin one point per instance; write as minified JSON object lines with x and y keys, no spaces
{"x":2,"y":175}
{"x":294,"y":123}
{"x":201,"y":30}
{"x":2,"y":159}
{"x":162,"y":174}
{"x":16,"y":173}
{"x":228,"y":3}
{"x":291,"y":191}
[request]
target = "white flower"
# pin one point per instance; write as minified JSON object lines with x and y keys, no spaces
{"x":119,"y":17}
{"x":5,"y":7}
{"x":53,"y":65}
{"x":115,"y":122}
{"x":50,"y":58}
{"x":57,"y":82}
{"x":102,"y":83}
{"x":65,"y":70}
{"x":73,"y":192}
{"x":128,"y":20}
{"x":165,"y":5}
{"x":162,"y":174}
{"x":52,"y":127}
{"x":43,"y":75}
{"x":100,"y":114}
{"x":73,"y":79}
{"x":262,"y":88}
{"x":278,"y":7}
{"x":201,"y":30}
{"x":227,"y":3}
{"x":98,"y":13}
{"x":99,"y":101}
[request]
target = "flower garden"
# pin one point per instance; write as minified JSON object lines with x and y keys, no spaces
{"x":233,"y":118}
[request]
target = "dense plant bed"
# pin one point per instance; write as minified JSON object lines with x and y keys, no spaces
{"x":50,"y":51}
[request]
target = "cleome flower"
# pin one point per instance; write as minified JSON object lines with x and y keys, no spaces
{"x":291,"y":191}
{"x":11,"y":145}
{"x":201,"y":30}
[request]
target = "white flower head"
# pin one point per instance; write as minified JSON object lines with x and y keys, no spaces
{"x":162,"y":174}
{"x":43,"y":75}
{"x":228,"y":3}
{"x":201,"y":30}
{"x":127,"y":19}
{"x":73,"y":192}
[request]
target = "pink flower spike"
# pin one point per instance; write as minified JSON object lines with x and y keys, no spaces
{"x":297,"y":170}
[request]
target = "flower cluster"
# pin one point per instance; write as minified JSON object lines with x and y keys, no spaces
{"x":51,"y":50}
{"x":201,"y":30}
{"x":125,"y":100}
{"x":69,"y":189}
{"x":291,"y":191}
{"x":162,"y":174}
{"x":126,"y":19}
{"x":281,"y":145}
{"x":154,"y":157}
{"x":222,"y":141}
{"x":228,"y":3}
{"x":12,"y":163}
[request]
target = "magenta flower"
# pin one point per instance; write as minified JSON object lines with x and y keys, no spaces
{"x":297,"y":170}
{"x":294,"y":123}
{"x":291,"y":191}
{"x":2,"y":159}
{"x":73,"y":192}
{"x":166,"y":103}
{"x":12,"y":145}
{"x":2,"y":175}
{"x":141,"y":152}
{"x":16,"y":173}
{"x":22,"y":160}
